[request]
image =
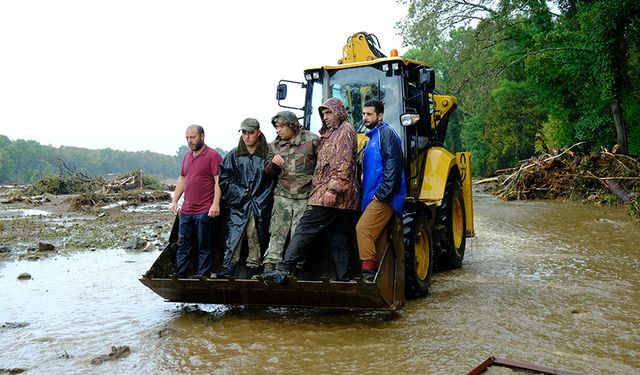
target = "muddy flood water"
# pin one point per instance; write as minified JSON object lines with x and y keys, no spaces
{"x":556,"y":284}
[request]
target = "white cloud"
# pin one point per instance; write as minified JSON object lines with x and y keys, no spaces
{"x":131,"y":75}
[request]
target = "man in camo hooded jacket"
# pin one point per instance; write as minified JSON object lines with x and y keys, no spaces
{"x":333,"y":198}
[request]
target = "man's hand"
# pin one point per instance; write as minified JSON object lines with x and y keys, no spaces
{"x":329,"y":198}
{"x":278,"y":160}
{"x":214,"y":210}
{"x":174,"y":207}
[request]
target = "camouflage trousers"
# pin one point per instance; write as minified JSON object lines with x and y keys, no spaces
{"x":285,"y":216}
{"x":253,"y":242}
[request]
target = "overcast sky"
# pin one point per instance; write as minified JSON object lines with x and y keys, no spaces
{"x":131,"y":75}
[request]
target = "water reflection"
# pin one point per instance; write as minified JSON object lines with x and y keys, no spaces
{"x":548,"y":283}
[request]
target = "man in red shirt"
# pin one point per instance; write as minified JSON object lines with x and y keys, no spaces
{"x":199,"y":182}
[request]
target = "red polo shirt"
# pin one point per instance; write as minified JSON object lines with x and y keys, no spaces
{"x":198,"y":173}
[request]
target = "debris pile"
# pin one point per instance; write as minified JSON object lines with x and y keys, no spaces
{"x":87,"y":193}
{"x":62,"y":185}
{"x":570,"y":174}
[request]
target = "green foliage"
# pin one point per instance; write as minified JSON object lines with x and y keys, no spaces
{"x":528,"y":80}
{"x":555,"y":133}
{"x":153,"y":183}
{"x":28,"y":161}
{"x":633,"y":122}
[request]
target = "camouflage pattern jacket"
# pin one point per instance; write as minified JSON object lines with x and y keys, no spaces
{"x":299,"y":154}
{"x":336,"y":168}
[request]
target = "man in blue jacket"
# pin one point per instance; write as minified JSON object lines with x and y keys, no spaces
{"x":383,"y":187}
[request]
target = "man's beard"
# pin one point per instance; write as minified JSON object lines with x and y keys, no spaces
{"x":196,"y":147}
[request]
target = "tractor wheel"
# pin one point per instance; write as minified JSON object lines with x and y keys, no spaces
{"x":451,"y":217}
{"x":418,"y":246}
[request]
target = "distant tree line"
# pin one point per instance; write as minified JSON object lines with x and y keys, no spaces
{"x":24,"y":161}
{"x":532,"y":75}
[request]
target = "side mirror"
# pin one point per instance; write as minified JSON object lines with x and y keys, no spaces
{"x":428,"y":79}
{"x":281,"y":91}
{"x":408,"y":119}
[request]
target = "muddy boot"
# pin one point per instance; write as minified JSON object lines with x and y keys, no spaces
{"x":369,"y":276}
{"x":277,"y":276}
{"x":268,"y":267}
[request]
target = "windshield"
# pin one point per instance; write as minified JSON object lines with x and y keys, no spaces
{"x":354,"y":87}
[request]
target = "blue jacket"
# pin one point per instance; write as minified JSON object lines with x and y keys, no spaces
{"x":383,"y":168}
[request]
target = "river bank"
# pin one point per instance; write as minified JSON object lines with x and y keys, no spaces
{"x":52,"y":225}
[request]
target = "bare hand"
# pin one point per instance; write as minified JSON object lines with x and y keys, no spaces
{"x":329,"y":198}
{"x":214,"y":210}
{"x":174,"y":207}
{"x":278,"y":160}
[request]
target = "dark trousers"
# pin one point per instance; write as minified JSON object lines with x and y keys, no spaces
{"x":335,"y":224}
{"x":194,"y":225}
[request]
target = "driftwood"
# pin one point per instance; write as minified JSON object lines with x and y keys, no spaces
{"x":619,"y":191}
{"x":129,"y":181}
{"x":572,"y":174}
{"x":116,"y":352}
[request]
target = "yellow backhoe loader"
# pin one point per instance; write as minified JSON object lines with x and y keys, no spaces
{"x":438,"y":211}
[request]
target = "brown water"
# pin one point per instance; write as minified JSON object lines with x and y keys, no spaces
{"x":549,"y":283}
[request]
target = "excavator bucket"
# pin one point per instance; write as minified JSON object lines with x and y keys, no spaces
{"x":314,"y":287}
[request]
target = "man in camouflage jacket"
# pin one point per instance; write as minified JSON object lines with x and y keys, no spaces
{"x":291,"y":160}
{"x":333,"y":198}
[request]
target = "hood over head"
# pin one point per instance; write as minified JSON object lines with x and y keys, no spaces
{"x":335,"y":106}
{"x":289,"y":118}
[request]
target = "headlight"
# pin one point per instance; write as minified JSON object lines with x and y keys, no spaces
{"x":409,"y":119}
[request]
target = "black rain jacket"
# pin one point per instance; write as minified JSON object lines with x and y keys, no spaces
{"x":240,"y":173}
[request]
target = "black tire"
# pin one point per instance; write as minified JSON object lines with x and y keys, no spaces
{"x":451,"y":218}
{"x":419,"y":258}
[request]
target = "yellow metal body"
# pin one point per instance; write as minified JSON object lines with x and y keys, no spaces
{"x":362,"y":141}
{"x":438,"y":164}
{"x":463,"y":160}
{"x":442,"y":104}
{"x":357,"y":49}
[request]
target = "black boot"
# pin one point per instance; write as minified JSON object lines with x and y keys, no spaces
{"x":227,"y":272}
{"x":251,"y":272}
{"x":177,"y":276}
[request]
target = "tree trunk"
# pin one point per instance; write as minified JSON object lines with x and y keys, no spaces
{"x":621,"y":127}
{"x":619,"y":191}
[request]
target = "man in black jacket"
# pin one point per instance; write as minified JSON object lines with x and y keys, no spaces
{"x":248,"y":194}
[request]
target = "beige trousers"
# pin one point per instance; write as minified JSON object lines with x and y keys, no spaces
{"x":371,"y":230}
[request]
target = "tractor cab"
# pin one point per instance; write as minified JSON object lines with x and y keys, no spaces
{"x":406,"y":87}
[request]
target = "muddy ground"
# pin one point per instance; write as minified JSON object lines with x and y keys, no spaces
{"x":54,"y":224}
